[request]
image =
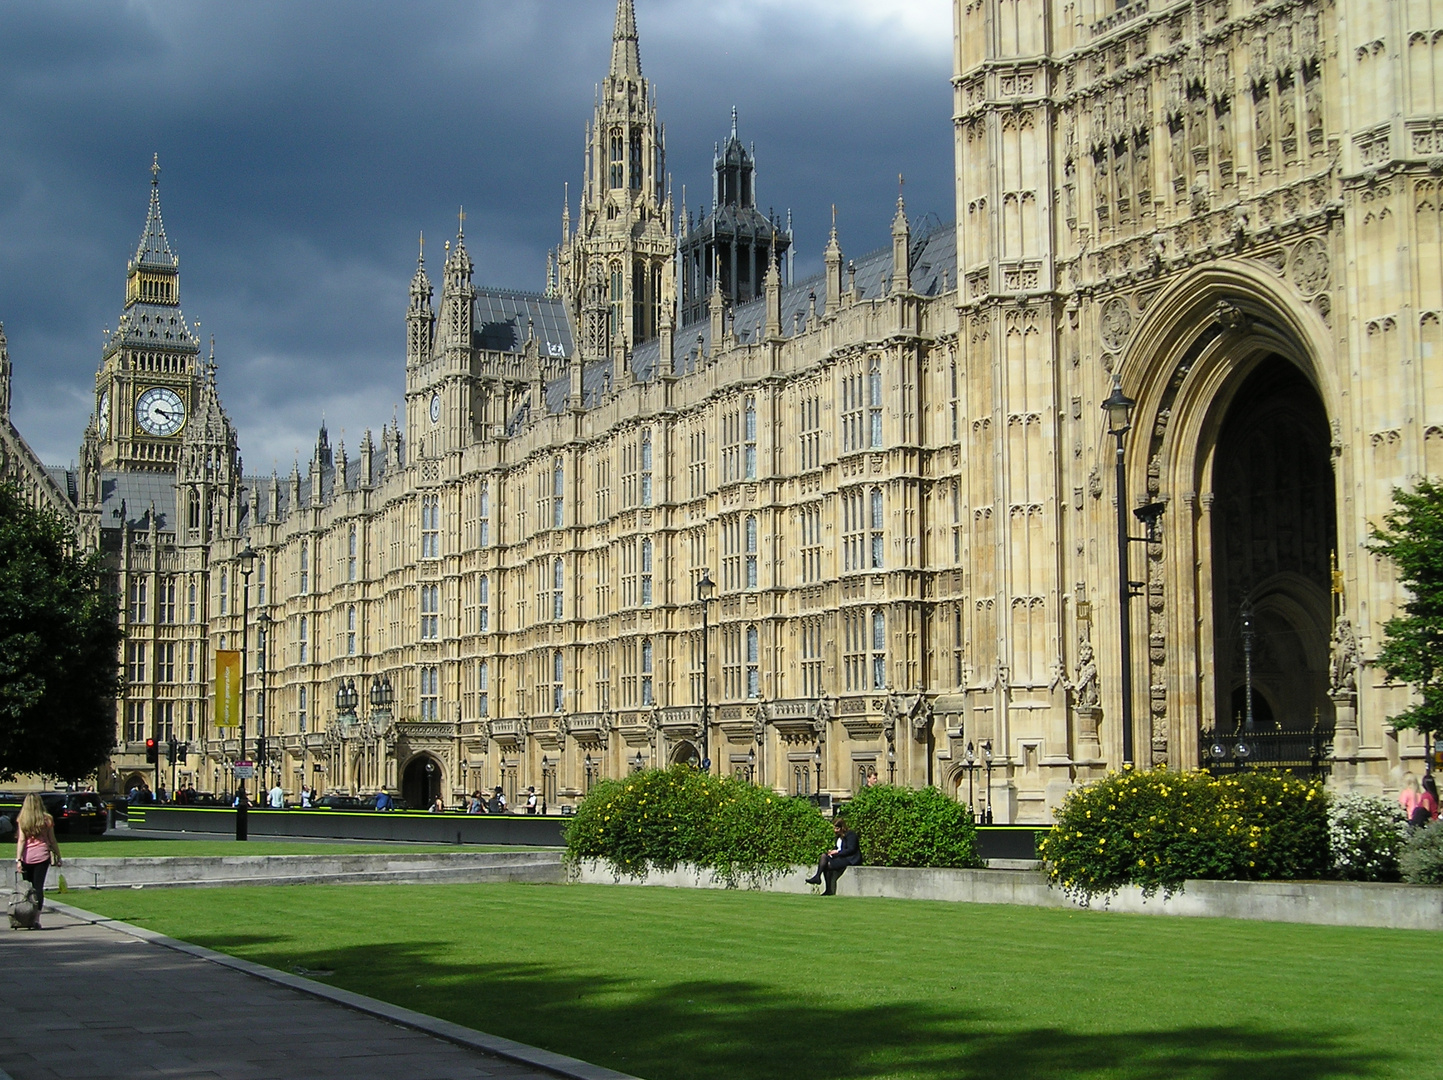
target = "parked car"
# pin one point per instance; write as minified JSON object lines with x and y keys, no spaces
{"x":341,"y":802}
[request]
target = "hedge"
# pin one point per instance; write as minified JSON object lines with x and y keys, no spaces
{"x":900,"y":826}
{"x":1157,"y":828}
{"x":664,"y":818}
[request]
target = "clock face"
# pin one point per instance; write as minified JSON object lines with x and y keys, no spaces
{"x":103,"y":415}
{"x":435,"y":408}
{"x":159,"y":411}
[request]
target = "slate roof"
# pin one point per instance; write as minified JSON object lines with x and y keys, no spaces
{"x":505,"y":317}
{"x":135,"y":493}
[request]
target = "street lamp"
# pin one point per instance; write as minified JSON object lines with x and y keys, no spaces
{"x":971,"y":775}
{"x":263,"y":630}
{"x":1118,"y":407}
{"x":752,"y":765}
{"x":247,"y":561}
{"x":817,"y":757}
{"x":987,"y":757}
{"x":638,"y":763}
{"x":891,"y":764}
{"x":590,"y":766}
{"x":1245,"y":613}
{"x":704,"y":589}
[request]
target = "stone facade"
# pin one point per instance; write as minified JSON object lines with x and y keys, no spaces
{"x":898,"y":475}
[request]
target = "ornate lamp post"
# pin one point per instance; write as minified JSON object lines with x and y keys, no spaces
{"x":817,"y":758}
{"x":247,"y":561}
{"x":752,"y":765}
{"x":637,"y":763}
{"x":1118,"y":407}
{"x":263,"y":631}
{"x":987,"y":757}
{"x":891,"y":764}
{"x":971,"y":760}
{"x":704,"y":589}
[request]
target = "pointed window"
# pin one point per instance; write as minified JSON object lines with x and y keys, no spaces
{"x":646,"y":557}
{"x":751,"y":552}
{"x":305,"y":568}
{"x":875,"y":522}
{"x":750,"y":453}
{"x":224,"y":592}
{"x":351,"y":554}
{"x":647,"y":694}
{"x":484,"y":539}
{"x":351,"y":630}
{"x":754,"y":679}
{"x":618,"y":159}
{"x":483,"y":688}
{"x":305,"y":638}
{"x":558,"y":494}
{"x":646,"y":467}
{"x":430,"y":612}
{"x":874,"y":403}
{"x":430,"y":692}
{"x":301,"y":702}
{"x":483,"y":617}
{"x":558,"y":680}
{"x":261,"y":581}
{"x":430,"y":527}
{"x":636,"y":161}
{"x":558,"y":578}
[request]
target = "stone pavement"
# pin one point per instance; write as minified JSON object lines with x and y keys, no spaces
{"x":81,"y":1000}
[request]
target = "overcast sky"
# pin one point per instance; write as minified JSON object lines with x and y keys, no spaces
{"x":304,"y":145}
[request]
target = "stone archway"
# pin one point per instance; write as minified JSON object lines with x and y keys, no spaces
{"x":421,"y":781}
{"x":685,"y":753}
{"x":1235,"y":390}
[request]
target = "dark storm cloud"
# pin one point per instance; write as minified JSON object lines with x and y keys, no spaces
{"x":305,"y":145}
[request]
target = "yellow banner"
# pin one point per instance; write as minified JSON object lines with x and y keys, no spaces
{"x":227,"y":688}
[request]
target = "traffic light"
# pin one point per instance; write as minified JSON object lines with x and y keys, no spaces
{"x":181,"y":750}
{"x":152,"y":751}
{"x":172,"y":751}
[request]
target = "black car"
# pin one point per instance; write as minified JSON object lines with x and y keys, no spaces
{"x":74,"y":812}
{"x":340,"y":802}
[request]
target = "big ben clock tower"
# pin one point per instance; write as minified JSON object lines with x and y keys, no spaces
{"x":148,"y":381}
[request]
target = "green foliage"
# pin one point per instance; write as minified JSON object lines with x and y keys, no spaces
{"x":663,"y":818}
{"x":1412,"y":537}
{"x":1421,"y":860}
{"x":1157,"y":828}
{"x":900,"y":826}
{"x":1365,"y":835}
{"x":59,"y":648}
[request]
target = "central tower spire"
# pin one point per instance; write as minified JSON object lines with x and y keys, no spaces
{"x":625,"y":48}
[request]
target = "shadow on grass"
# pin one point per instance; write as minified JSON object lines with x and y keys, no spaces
{"x":699,"y":1029}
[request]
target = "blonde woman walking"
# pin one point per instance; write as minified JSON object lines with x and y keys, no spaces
{"x":35,"y":847}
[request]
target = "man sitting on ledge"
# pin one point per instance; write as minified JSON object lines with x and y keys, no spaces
{"x":844,"y":854}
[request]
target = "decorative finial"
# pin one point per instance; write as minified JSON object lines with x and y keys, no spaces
{"x":734,"y":121}
{"x":421,"y":258}
{"x":155,"y":170}
{"x":461,"y":226}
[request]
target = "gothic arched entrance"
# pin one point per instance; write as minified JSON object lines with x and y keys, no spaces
{"x":1274,"y":525}
{"x":421,"y":781}
{"x":685,"y":753}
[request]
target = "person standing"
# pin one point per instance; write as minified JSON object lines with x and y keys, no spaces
{"x":531,"y":800}
{"x":1409,"y":796}
{"x":278,"y":797}
{"x":35,"y":846}
{"x":1428,"y":800}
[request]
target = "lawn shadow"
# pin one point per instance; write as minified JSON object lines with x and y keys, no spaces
{"x":701,"y":1029}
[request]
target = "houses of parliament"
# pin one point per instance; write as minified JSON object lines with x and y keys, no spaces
{"x":881,"y":523}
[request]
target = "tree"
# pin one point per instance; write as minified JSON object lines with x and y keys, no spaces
{"x":1412,"y":537}
{"x":59,"y":648}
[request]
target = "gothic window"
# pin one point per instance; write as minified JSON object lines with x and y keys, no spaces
{"x":731,"y":446}
{"x":618,"y":159}
{"x":430,"y":692}
{"x":811,"y":437}
{"x":874,"y":403}
{"x":430,"y":612}
{"x":864,"y":640}
{"x":302,"y":700}
{"x":558,"y":494}
{"x":879,"y":650}
{"x":165,"y":601}
{"x":483,"y":689}
{"x":957,"y":650}
{"x":165,"y":662}
{"x":190,"y":721}
{"x":165,"y":720}
{"x":190,"y":606}
{"x":261,"y":581}
{"x":618,"y":284}
{"x":955,"y":404}
{"x":646,"y":467}
{"x":853,"y":412}
{"x":483,"y":605}
{"x":696,"y":667}
{"x":750,"y":435}
{"x":484,"y":531}
{"x":190,"y":662}
{"x":754,"y":678}
{"x":134,"y":721}
{"x":603,"y":489}
{"x":854,"y":530}
{"x":305,"y":569}
{"x":558,"y":580}
{"x":137,"y":600}
{"x":647,"y":697}
{"x":627,"y":553}
{"x":558,"y":681}
{"x":351,"y":630}
{"x":430,"y":527}
{"x":731,"y":662}
{"x":260,"y":648}
{"x":136,"y":670}
{"x":811,"y":547}
{"x":636,"y":165}
{"x":812,"y":658}
{"x":351,"y":554}
{"x":224,"y":591}
{"x":751,"y":563}
{"x":731,"y":531}
{"x":801,"y":778}
{"x":304,"y":639}
{"x":697,"y":466}
{"x":639,"y":279}
{"x":875,"y":527}
{"x":646,"y":558}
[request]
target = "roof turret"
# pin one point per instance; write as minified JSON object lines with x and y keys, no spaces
{"x":625,"y":46}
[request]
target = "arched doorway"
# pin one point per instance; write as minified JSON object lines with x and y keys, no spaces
{"x":421,"y":781}
{"x":1274,"y":526}
{"x":685,"y":753}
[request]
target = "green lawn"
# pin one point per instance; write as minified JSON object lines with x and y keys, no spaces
{"x":693,"y":985}
{"x":112,"y":845}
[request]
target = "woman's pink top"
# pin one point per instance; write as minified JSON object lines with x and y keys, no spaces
{"x":1409,"y":798}
{"x":37,"y":849}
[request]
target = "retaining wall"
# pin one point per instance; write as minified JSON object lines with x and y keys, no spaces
{"x":201,"y":871}
{"x":522,"y":830}
{"x":1409,"y":907}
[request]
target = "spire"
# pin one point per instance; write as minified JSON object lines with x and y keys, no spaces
{"x":832,"y":258}
{"x":901,"y":246}
{"x":154,"y":249}
{"x":4,"y":376}
{"x":625,"y":50}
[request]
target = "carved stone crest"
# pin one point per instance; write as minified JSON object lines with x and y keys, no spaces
{"x":1310,"y":267}
{"x":1116,"y":323}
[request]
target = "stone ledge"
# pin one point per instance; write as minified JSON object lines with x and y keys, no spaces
{"x":1328,"y":903}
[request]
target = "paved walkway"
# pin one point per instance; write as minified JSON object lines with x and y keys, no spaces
{"x":79,"y":1000}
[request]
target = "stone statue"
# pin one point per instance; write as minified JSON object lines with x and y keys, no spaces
{"x":1178,"y":131}
{"x":1287,"y":112}
{"x":1345,"y":659}
{"x":1084,"y":689}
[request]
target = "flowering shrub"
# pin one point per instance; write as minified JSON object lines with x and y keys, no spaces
{"x":1157,"y":828}
{"x":1421,"y":859}
{"x":663,"y":818}
{"x":900,"y":826}
{"x":1365,"y":836}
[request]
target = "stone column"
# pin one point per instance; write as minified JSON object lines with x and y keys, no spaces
{"x":1087,"y":755}
{"x":1345,"y":740}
